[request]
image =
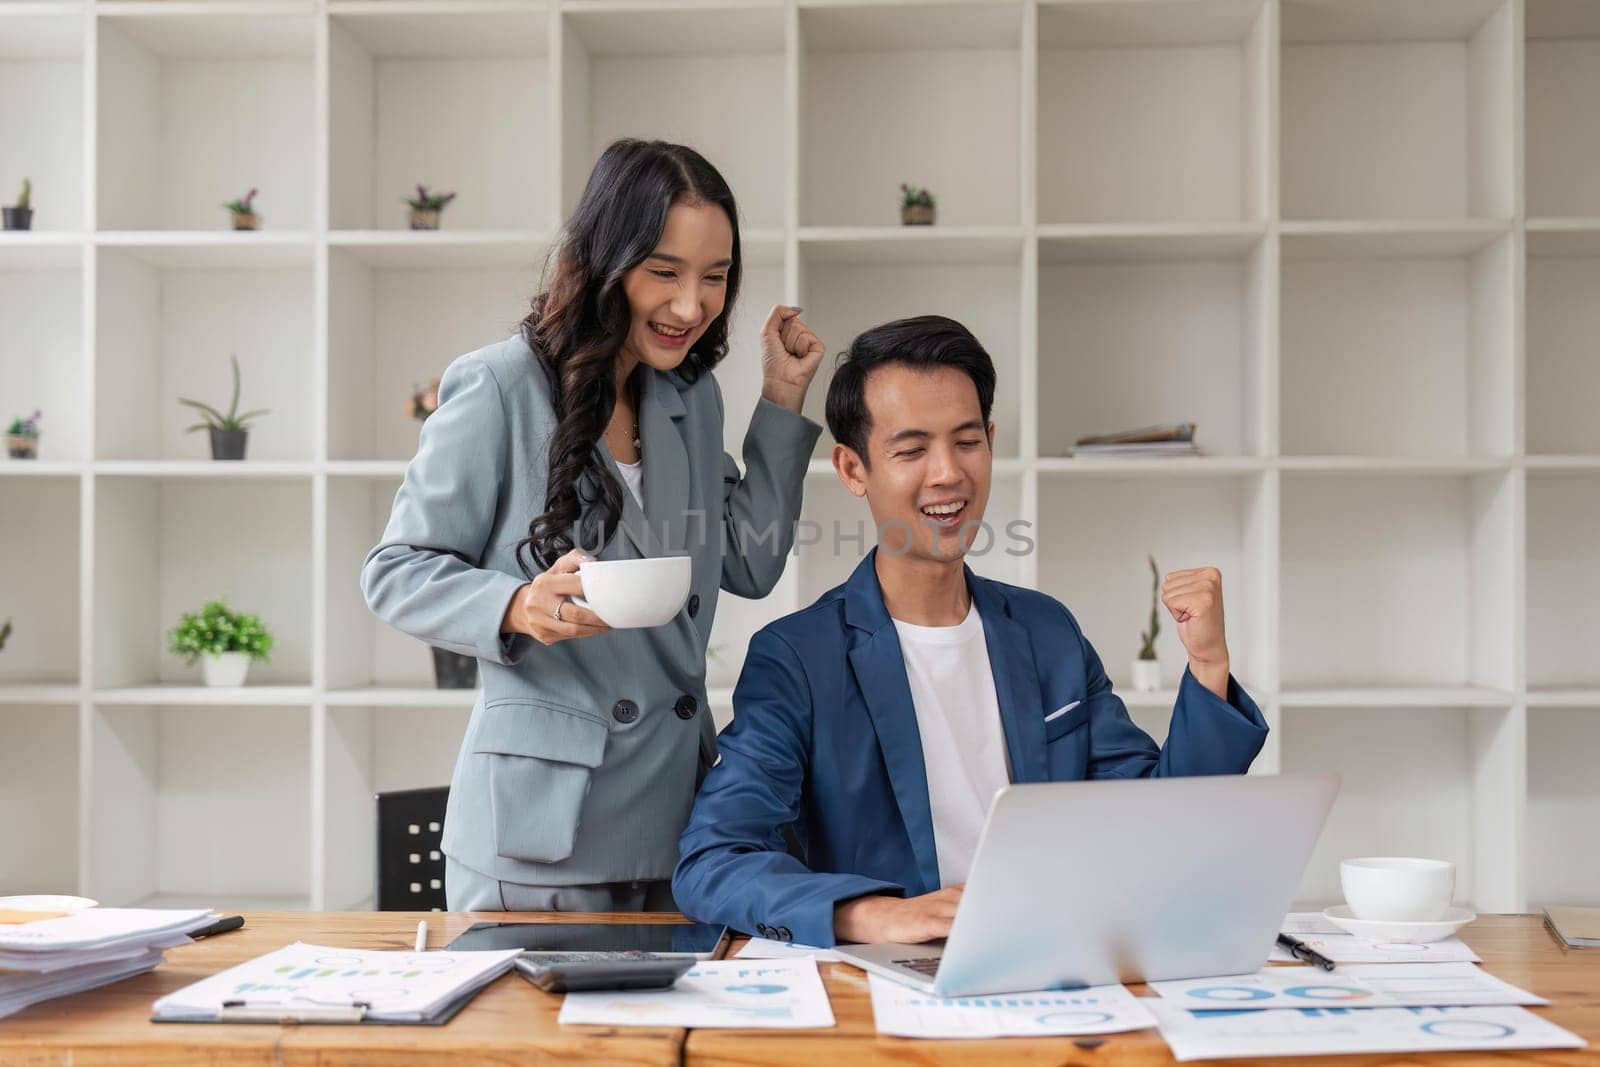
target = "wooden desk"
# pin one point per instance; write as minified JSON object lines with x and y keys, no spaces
{"x":512,"y":1022}
{"x":1516,"y":948}
{"x":509,"y":1022}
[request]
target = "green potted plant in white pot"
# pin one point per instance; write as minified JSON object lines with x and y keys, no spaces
{"x":230,"y":432}
{"x":1147,"y":668}
{"x":226,"y":642}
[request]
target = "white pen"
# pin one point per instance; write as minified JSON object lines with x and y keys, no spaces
{"x":422,"y":936}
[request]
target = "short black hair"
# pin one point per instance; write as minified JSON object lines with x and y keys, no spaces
{"x":925,"y":342}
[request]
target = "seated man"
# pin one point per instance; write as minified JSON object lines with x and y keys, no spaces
{"x":877,"y":724}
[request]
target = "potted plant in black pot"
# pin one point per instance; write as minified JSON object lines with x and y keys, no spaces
{"x":229,"y":432}
{"x":19,"y":216}
{"x":22,"y":437}
{"x":425,"y":207}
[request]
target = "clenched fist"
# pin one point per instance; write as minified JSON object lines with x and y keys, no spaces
{"x":1194,"y":597}
{"x":790,"y":355}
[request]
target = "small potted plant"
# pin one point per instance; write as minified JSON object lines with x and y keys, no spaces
{"x":5,"y":633}
{"x":244,"y":212}
{"x":423,"y":402}
{"x":425,"y":207}
{"x":22,"y":437}
{"x":229,"y":432}
{"x":226,"y":642}
{"x":916,"y":206}
{"x":19,"y":216}
{"x":1147,"y":669}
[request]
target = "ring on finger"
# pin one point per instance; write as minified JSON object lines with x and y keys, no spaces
{"x":555,"y":612}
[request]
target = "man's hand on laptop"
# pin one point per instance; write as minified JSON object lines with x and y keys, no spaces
{"x":906,"y":921}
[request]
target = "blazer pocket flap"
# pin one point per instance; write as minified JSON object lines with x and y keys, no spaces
{"x":548,"y":731}
{"x":540,"y":758}
{"x":1065,"y":719}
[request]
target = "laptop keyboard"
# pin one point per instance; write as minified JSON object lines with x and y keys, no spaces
{"x":928,"y":965}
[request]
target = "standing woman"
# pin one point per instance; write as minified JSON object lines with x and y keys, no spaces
{"x":596,"y":431}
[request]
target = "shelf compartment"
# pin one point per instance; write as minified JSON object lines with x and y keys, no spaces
{"x":1371,"y":563}
{"x":1563,"y":318}
{"x":1397,"y":110}
{"x":1563,"y":580}
{"x":165,"y":547}
{"x":40,"y":585}
{"x":878,"y":84}
{"x":175,"y":328}
{"x":411,"y":99}
{"x":1398,"y":343}
{"x":1093,"y":538}
{"x":41,"y":61}
{"x":41,"y":348}
{"x":846,"y":290}
{"x":200,"y":804}
{"x":1177,"y":333}
{"x":617,"y":63}
{"x":364,"y":652}
{"x":1154,"y":111}
{"x":392,"y":328}
{"x":1430,"y":782}
{"x":373,"y":750}
{"x":1562,"y":796}
{"x":1561,"y":66}
{"x":39,"y":784}
{"x":198,"y":106}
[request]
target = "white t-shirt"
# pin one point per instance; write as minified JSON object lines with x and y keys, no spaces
{"x":963,"y":744}
{"x":633,"y":475}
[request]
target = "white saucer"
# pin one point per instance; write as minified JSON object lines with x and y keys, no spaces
{"x":46,"y":902}
{"x":1414,"y":933}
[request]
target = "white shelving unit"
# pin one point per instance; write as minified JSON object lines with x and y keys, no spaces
{"x":1357,"y":240}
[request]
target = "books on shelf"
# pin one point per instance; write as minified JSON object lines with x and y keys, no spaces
{"x":61,"y":955}
{"x":1576,"y":927}
{"x":1173,"y":440}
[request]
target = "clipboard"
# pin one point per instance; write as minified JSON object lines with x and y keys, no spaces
{"x":284,"y":1013}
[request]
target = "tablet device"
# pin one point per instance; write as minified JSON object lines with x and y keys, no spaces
{"x":698,"y":941}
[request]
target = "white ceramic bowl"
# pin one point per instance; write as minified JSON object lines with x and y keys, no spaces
{"x":1397,"y":888}
{"x":634,"y":593}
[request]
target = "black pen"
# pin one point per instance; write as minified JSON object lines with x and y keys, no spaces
{"x":221,"y":926}
{"x":1302,"y":951}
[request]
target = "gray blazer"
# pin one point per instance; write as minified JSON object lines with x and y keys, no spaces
{"x":581,"y":758}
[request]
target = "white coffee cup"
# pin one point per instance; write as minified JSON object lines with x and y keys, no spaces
{"x":1398,"y":888}
{"x":635,"y":593}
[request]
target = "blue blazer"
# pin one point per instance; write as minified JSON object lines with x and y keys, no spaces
{"x":824,"y":742}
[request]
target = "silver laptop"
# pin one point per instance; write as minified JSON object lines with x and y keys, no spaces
{"x":1091,"y":883}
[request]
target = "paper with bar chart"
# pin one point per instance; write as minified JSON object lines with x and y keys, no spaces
{"x":906,"y":1012}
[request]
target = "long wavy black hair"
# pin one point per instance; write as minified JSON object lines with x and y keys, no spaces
{"x":581,"y":318}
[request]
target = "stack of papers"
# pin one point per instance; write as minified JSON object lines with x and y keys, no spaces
{"x":1576,"y":927}
{"x":313,"y":982}
{"x":87,"y":949}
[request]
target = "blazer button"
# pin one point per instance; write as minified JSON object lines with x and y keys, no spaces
{"x":784,"y":934}
{"x":694,"y":605}
{"x":685,"y":707}
{"x":625,"y":711}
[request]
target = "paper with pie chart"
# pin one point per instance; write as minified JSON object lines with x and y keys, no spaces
{"x":756,"y":994}
{"x":907,"y":1012}
{"x":1321,"y":1031}
{"x":1273,"y":987}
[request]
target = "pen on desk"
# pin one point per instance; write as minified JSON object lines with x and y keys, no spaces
{"x":1302,"y":951}
{"x":221,"y":926}
{"x":422,"y":935}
